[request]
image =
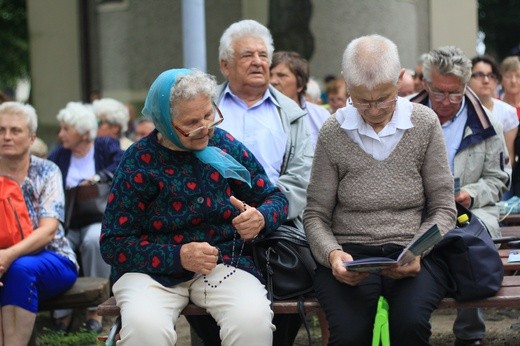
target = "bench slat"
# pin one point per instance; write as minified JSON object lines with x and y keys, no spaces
{"x":109,"y":307}
{"x":508,"y":296}
{"x":86,"y":292}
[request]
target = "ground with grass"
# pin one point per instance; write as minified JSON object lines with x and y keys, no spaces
{"x":503,"y":329}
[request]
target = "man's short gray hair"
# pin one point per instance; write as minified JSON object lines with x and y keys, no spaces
{"x":447,"y":60}
{"x":244,"y":28}
{"x":371,"y":60}
{"x":26,"y":110}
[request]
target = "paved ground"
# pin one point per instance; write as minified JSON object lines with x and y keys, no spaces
{"x":503,"y":328}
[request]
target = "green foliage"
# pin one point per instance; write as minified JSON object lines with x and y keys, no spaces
{"x":14,"y":58}
{"x":53,"y":338}
{"x":499,"y":20}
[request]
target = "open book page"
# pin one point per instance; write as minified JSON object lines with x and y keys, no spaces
{"x":514,"y":256}
{"x":416,"y":248}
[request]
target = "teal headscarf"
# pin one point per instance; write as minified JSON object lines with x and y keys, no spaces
{"x":157,"y":108}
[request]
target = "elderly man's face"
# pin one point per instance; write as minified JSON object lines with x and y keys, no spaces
{"x":249,"y":68}
{"x":444,"y":84}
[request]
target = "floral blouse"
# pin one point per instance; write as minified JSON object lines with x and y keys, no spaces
{"x":162,"y":199}
{"x":43,"y":194}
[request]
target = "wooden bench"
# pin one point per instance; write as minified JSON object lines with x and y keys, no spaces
{"x":507,"y":297}
{"x":508,"y":234}
{"x":86,"y":292}
{"x":511,"y":219}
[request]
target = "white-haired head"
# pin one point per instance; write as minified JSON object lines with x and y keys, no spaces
{"x":26,"y":110}
{"x":244,"y":28}
{"x":81,"y":117}
{"x":369,"y":61}
{"x":313,"y":91}
{"x":113,"y":112}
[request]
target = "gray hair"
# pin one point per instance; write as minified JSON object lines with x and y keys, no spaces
{"x":18,"y":108}
{"x":244,"y":28}
{"x":421,"y":59}
{"x":113,"y":112}
{"x":447,"y":60}
{"x":371,"y":60}
{"x":190,"y":86}
{"x":313,"y":90}
{"x":81,"y":117}
{"x":510,"y":63}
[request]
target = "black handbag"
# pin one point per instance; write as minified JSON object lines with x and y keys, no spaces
{"x":85,"y":204}
{"x":470,"y":259}
{"x":285,"y":260}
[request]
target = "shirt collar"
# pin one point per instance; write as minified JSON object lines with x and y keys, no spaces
{"x":350,"y":119}
{"x":267,"y":96}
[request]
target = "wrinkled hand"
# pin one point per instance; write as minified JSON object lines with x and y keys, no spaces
{"x":199,"y":257}
{"x":250,"y":221}
{"x":340,"y":272}
{"x":410,"y":269}
{"x":463,"y":198}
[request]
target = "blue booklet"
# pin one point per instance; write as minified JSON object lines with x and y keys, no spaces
{"x":416,"y":248}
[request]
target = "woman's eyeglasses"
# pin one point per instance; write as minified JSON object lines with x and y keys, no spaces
{"x":211,"y":125}
{"x":377,"y":104}
{"x":481,"y":76}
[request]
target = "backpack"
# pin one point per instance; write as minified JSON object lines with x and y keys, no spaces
{"x":15,"y":223}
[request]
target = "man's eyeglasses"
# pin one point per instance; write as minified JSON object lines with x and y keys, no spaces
{"x":481,"y":76}
{"x":211,"y":125}
{"x":441,"y":96}
{"x":376,"y":104}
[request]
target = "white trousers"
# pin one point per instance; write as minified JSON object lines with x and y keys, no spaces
{"x":239,"y":304}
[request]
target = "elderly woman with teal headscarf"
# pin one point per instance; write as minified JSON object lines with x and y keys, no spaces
{"x":186,"y":201}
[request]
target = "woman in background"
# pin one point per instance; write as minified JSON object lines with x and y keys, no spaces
{"x":43,"y":265}
{"x":83,"y":157}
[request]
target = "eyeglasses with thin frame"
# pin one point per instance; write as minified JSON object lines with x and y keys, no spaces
{"x":198,"y":130}
{"x":509,"y":76}
{"x":377,"y":104}
{"x":481,"y":76}
{"x":441,"y":96}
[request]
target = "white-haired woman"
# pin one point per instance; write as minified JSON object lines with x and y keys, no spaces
{"x":380,"y":177}
{"x":113,"y":118}
{"x":83,"y":156}
{"x":187,"y":199}
{"x":43,"y":265}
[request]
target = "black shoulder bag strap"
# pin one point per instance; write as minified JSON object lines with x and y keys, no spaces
{"x":71,"y":200}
